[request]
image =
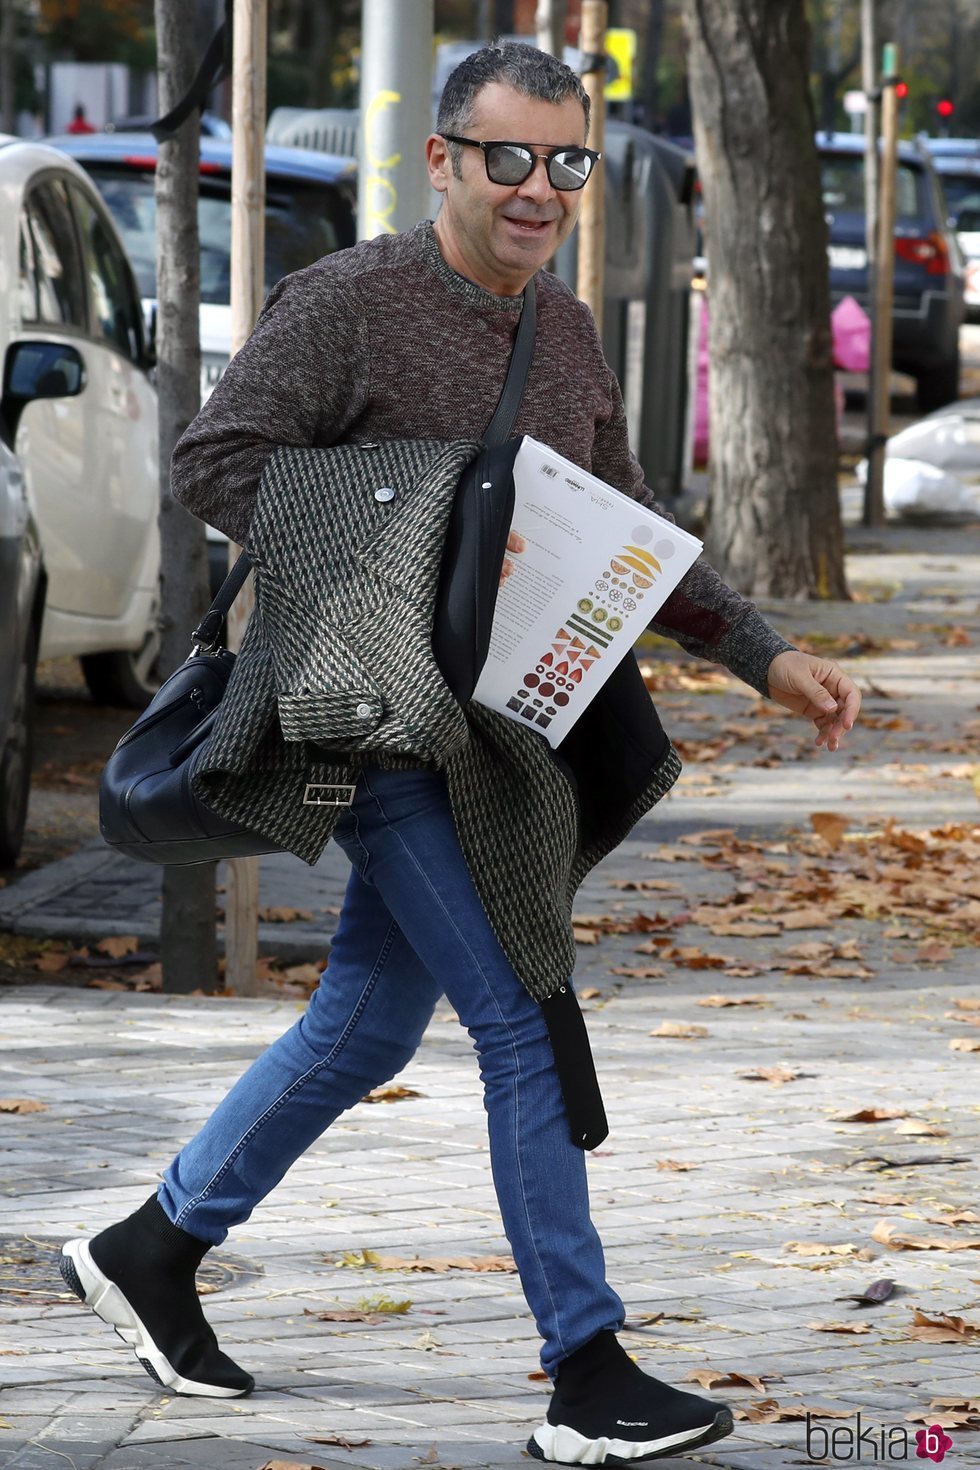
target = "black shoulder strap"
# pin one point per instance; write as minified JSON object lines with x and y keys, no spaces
{"x":505,"y":413}
{"x":215,"y":66}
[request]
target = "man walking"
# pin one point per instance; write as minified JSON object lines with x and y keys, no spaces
{"x":408,"y":337}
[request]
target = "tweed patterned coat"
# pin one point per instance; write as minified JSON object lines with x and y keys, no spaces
{"x":336,"y":672}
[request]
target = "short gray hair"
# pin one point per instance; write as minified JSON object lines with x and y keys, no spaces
{"x":529,"y":71}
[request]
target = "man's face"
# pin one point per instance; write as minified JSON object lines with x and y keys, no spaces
{"x":499,"y":235}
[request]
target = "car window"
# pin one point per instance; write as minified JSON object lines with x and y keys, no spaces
{"x":116,"y":310}
{"x":958,"y":188}
{"x":843,"y":186}
{"x":58,"y":284}
{"x":26,"y":273}
{"x":303,"y":223}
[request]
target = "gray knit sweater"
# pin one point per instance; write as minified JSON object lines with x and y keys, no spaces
{"x":386,"y":341}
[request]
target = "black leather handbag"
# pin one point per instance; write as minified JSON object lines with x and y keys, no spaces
{"x":147,"y":805}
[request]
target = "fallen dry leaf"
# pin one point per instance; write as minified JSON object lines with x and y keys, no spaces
{"x":955,"y":1217}
{"x":848,"y":1327}
{"x":639,"y":972}
{"x":776,"y":1075}
{"x":675,"y":1166}
{"x":280,"y":914}
{"x":919,"y":1128}
{"x":869,"y":1115}
{"x":820,"y":1248}
{"x":290,"y":1465}
{"x":116,"y":945}
{"x":804,"y":919}
{"x":390,"y":1094}
{"x":52,"y":961}
{"x":967,"y":1003}
{"x":886,"y":1234}
{"x":21,"y":1105}
{"x":943,"y":1328}
{"x":538,"y":1376}
{"x":769,"y":1411}
{"x":435,"y":1264}
{"x":830,"y":827}
{"x":585,"y":936}
{"x":965,"y":1043}
{"x":680,"y":1029}
{"x":352,"y":1314}
{"x":732,"y":1000}
{"x":590,"y":993}
{"x":719,"y":1378}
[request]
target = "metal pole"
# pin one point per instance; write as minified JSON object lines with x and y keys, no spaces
{"x":869,"y":83}
{"x":874,"y":506}
{"x":249,"y":66}
{"x":550,"y":26}
{"x":8,"y":48}
{"x":396,"y":115}
{"x":592,"y":221}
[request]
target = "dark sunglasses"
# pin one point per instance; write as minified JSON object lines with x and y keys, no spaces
{"x":512,"y":163}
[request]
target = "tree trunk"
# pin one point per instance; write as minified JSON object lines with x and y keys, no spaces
{"x":774,"y":512}
{"x":8,"y":46}
{"x":187,"y":930}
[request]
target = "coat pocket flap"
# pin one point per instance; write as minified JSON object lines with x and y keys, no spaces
{"x":330,"y":717}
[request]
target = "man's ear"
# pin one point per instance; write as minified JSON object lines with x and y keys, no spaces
{"x":439,"y":162}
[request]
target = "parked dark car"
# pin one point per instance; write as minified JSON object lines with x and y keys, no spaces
{"x":310,"y":211}
{"x":929,"y":267}
{"x":21,"y":610}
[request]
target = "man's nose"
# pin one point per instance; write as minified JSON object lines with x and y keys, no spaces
{"x":537,"y":185}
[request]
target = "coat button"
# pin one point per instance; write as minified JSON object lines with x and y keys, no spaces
{"x":364,"y":711}
{"x":384,"y":492}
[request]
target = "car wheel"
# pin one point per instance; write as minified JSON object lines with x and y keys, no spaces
{"x":127,"y":678}
{"x":938,"y":386}
{"x":15,"y":757}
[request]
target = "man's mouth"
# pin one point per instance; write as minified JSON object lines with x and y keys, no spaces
{"x":528,"y":226}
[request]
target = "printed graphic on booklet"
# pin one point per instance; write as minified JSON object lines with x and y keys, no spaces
{"x":595,"y":569}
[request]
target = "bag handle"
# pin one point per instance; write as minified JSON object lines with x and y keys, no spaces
{"x":206,"y":636}
{"x":505,"y":413}
{"x":208,"y":632}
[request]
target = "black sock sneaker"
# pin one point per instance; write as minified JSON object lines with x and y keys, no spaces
{"x":139,"y":1277}
{"x":607,"y":1411}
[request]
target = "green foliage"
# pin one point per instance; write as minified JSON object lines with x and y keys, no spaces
{"x":99,"y":30}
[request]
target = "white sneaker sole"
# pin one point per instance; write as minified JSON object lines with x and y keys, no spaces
{"x":565,"y":1446}
{"x":107,"y":1301}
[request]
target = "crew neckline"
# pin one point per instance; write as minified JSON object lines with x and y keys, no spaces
{"x":462,"y":285}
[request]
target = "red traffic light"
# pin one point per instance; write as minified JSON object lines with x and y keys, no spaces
{"x":901,"y":90}
{"x":945,"y":108}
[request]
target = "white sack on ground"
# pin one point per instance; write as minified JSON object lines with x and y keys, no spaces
{"x":914,"y":488}
{"x":949,"y":439}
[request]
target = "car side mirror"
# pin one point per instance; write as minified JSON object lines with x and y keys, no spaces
{"x":39,"y":370}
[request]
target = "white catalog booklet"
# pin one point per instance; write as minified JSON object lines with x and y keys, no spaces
{"x":595,"y":568}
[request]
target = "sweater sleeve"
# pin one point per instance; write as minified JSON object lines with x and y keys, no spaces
{"x":299,"y":381}
{"x":703,"y":614}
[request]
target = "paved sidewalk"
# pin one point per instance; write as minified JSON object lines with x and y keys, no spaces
{"x":725,"y":1263}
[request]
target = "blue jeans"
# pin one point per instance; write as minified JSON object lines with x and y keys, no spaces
{"x":411,"y":929}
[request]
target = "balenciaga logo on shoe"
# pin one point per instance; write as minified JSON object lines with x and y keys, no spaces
{"x":633,"y":1423}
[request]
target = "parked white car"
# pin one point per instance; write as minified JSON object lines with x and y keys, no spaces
{"x":80,"y":412}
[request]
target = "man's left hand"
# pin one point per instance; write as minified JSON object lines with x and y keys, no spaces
{"x":818,"y":690}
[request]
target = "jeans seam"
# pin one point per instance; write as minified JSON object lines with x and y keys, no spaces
{"x":300,"y":1082}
